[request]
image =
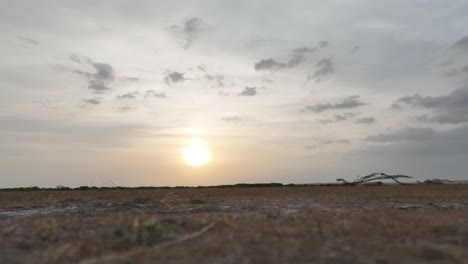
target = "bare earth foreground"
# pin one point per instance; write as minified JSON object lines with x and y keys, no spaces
{"x":379,"y":224}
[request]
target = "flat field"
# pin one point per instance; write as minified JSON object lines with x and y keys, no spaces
{"x":316,"y":224}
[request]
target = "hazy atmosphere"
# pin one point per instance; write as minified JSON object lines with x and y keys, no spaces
{"x":173,"y":93}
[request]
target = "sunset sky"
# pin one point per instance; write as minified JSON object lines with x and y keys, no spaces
{"x":94,"y":92}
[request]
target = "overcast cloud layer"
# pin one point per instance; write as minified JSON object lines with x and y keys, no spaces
{"x":297,"y":91}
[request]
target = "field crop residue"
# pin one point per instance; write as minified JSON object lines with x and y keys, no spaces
{"x":316,"y":224}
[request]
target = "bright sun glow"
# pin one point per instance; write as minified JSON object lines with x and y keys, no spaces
{"x":196,"y":155}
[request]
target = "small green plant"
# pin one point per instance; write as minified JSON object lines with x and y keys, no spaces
{"x":373,"y":177}
{"x":140,"y":234}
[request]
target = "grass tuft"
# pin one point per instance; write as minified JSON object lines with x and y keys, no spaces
{"x":140,"y":234}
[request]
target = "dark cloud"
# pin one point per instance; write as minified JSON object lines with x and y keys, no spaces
{"x":190,"y":30}
{"x":28,"y":40}
{"x":347,"y":103}
{"x":324,"y":67}
{"x":365,"y":120}
{"x":461,"y":44}
{"x":304,"y":50}
{"x":296,"y":60}
{"x":451,"y":108}
{"x":152,"y":93}
{"x":323,"y":44}
{"x":98,"y":86}
{"x":269,"y":64}
{"x":133,"y":79}
{"x":231,"y":119}
{"x":298,"y":56}
{"x":104,"y":71}
{"x":249,"y":91}
{"x":339,"y":118}
{"x":93,"y":101}
{"x":132,"y":95}
{"x":405,"y":134}
{"x":98,"y":81}
{"x":453,"y":62}
{"x":174,"y":77}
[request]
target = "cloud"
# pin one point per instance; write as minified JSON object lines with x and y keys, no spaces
{"x":323,"y":44}
{"x":324,"y":67}
{"x":28,"y":40}
{"x":461,"y":44}
{"x":269,"y":64}
{"x":152,"y":93}
{"x":127,"y":95}
{"x":297,"y":58}
{"x":249,"y":91}
{"x":404,"y":134}
{"x":93,"y":101}
{"x":98,"y":86}
{"x":174,"y":77}
{"x":190,"y":30}
{"x":133,"y":79}
{"x":80,"y":59}
{"x":124,"y":108}
{"x":365,"y":120}
{"x":347,"y":103}
{"x":104,"y":71}
{"x":218,"y":78}
{"x":231,"y":119}
{"x":98,"y":81}
{"x":430,"y":143}
{"x":325,"y":142}
{"x":339,"y":118}
{"x":453,"y":62}
{"x":451,"y":108}
{"x":451,"y":72}
{"x":304,"y":50}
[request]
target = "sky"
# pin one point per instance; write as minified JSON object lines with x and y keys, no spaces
{"x":112,"y":92}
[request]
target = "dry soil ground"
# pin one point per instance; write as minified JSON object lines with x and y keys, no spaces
{"x":380,"y":224}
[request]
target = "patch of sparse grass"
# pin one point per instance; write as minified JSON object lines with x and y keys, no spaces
{"x":140,"y":234}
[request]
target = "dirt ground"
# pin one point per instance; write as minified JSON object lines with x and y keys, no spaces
{"x":318,"y":224}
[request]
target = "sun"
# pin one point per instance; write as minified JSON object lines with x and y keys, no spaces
{"x":196,"y":155}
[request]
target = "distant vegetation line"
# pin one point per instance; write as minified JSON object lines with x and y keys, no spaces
{"x":363,"y":180}
{"x":94,"y":188}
